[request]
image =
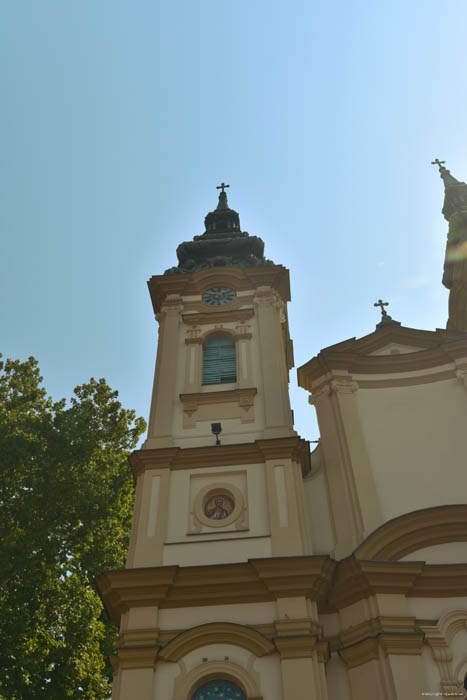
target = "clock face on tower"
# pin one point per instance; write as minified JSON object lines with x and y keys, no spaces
{"x":216,"y":296}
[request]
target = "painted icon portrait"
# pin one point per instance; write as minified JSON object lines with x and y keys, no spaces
{"x":219,"y":507}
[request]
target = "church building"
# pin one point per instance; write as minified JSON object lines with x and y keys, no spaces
{"x":258,"y":569}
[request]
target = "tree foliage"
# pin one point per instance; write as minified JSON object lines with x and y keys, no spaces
{"x":66,"y":497}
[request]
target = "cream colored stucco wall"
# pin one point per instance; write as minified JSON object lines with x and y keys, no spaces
{"x":434,"y":608}
{"x":317,"y":503}
{"x":242,"y":614}
{"x":416,"y":439}
{"x":237,"y":550}
{"x":185,"y":547}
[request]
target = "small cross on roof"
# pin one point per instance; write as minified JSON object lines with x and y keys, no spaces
{"x":382,"y":304}
{"x":438,"y":162}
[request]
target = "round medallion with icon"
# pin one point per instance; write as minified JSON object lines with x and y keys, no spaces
{"x":219,"y":506}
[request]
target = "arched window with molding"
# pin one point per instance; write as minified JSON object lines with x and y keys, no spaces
{"x":219,"y":690}
{"x":219,"y":360}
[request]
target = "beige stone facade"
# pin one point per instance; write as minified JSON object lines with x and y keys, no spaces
{"x":339,"y":575}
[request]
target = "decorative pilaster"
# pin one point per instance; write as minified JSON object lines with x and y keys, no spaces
{"x":354,"y":498}
{"x":161,"y":415}
{"x":133,"y":664}
{"x":243,"y":347}
{"x":194,"y":351}
{"x":278,"y":416}
{"x":302,"y":667}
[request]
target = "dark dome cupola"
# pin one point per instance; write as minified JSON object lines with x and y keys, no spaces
{"x":222,"y":244}
{"x":222,"y":219}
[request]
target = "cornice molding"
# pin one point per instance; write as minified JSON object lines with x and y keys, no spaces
{"x":368,"y":649}
{"x":356,"y":579}
{"x":241,"y":279}
{"x":258,"y":580}
{"x":224,"y":316}
{"x":297,"y":626}
{"x":408,"y":644}
{"x":142,"y":637}
{"x":296,"y":646}
{"x":383,"y":624}
{"x":438,"y":349}
{"x":360,"y":653}
{"x":240,"y":333}
{"x":134,"y":657}
{"x":243,"y":397}
{"x":411,"y":531}
{"x":267,"y":579}
{"x":222,"y":455}
{"x":201,"y":307}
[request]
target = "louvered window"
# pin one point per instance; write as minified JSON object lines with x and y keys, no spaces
{"x":219,"y":361}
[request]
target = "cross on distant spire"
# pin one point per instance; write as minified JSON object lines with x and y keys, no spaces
{"x":382,"y":304}
{"x":222,"y":186}
{"x":438,"y":162}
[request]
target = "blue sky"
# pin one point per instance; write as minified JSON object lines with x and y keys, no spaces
{"x":120,"y":118}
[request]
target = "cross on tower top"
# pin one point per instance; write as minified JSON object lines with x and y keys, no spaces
{"x":382,"y":304}
{"x":438,"y":162}
{"x":222,"y":186}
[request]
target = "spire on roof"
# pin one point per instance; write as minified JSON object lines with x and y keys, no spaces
{"x":222,"y":203}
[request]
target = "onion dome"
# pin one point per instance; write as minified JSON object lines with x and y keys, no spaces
{"x":222,"y":244}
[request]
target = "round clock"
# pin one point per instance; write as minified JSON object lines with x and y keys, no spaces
{"x":219,"y":295}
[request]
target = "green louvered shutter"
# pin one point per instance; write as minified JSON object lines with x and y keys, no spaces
{"x":219,"y":361}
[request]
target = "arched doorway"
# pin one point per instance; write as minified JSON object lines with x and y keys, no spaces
{"x":219,"y":690}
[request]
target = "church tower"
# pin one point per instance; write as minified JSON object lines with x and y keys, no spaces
{"x":455,"y":263}
{"x":219,"y":597}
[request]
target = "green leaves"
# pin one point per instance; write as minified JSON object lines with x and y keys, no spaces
{"x":66,"y":499}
